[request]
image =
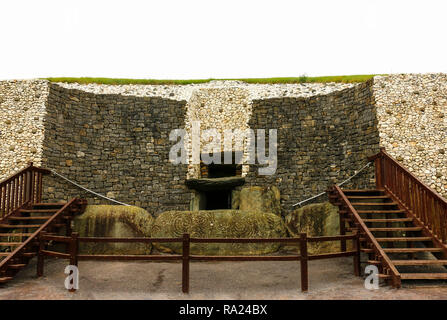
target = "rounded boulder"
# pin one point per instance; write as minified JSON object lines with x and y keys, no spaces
{"x":219,"y":224}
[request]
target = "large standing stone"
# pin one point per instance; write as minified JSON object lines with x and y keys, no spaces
{"x":319,"y":219}
{"x":117,"y":222}
{"x":219,"y":224}
{"x":263,"y":199}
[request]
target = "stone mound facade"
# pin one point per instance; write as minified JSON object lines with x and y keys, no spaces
{"x":115,"y":139}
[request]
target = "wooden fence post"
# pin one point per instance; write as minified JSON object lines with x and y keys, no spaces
{"x":68,"y":228}
{"x":342,"y":229}
{"x":74,"y":249}
{"x":40,"y":255}
{"x":443,"y":219}
{"x":185,"y":265}
{"x":74,"y":246}
{"x":356,"y":246}
{"x":303,"y":262}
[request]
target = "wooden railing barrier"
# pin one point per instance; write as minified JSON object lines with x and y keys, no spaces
{"x":186,"y":257}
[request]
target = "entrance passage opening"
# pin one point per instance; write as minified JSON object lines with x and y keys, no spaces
{"x":214,"y":188}
{"x":221,"y":198}
{"x":215,"y":200}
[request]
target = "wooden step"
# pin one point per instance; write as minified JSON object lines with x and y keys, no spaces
{"x":12,"y":234}
{"x":16,"y":266}
{"x":39,"y":210}
{"x":42,"y":204}
{"x":403,"y":239}
{"x":363,"y":190}
{"x":411,"y":250}
{"x":5,"y":279}
{"x":381,"y":211}
{"x":10,"y":244}
{"x":373,"y":262}
{"x":419,"y":262}
{"x":389,"y":220}
{"x":396,"y":229}
{"x":29,"y":254}
{"x":374,"y":203}
{"x":384,"y":276}
{"x":5,"y":254}
{"x":423,"y":276}
{"x":30,"y":218}
{"x":15,"y":226}
{"x":368,"y":197}
{"x":25,"y":254}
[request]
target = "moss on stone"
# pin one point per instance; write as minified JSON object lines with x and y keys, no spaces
{"x":262,"y":199}
{"x":219,"y":224}
{"x":319,"y":219}
{"x":114,"y":221}
{"x":235,"y":199}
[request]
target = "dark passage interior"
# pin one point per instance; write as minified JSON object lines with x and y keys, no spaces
{"x":215,"y":190}
{"x":221,"y":170}
{"x":220,"y":199}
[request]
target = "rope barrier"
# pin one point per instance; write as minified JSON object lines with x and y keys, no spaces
{"x":340,"y":184}
{"x":88,"y":190}
{"x":125,"y":204}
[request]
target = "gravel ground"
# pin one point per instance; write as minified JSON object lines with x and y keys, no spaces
{"x":328,"y":279}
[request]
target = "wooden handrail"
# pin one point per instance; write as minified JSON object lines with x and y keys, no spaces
{"x":424,"y":185}
{"x":73,"y":254}
{"x":428,"y":206}
{"x":57,"y":238}
{"x":30,"y":167}
{"x":21,"y":189}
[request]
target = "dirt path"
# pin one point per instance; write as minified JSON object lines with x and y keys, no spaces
{"x":328,"y":279}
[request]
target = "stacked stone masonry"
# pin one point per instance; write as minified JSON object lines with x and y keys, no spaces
{"x":115,"y":145}
{"x":322,"y":140}
{"x":115,"y":139}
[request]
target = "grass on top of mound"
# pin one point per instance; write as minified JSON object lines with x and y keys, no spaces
{"x":301,"y":79}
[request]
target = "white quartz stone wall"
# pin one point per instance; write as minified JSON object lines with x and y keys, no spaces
{"x":216,"y":108}
{"x":184,"y":92}
{"x":412,"y":114}
{"x":22,"y":113}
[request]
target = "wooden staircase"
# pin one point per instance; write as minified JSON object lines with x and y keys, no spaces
{"x":23,"y":217}
{"x":402,"y":223}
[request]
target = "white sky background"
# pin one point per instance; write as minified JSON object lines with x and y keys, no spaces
{"x":169,"y":39}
